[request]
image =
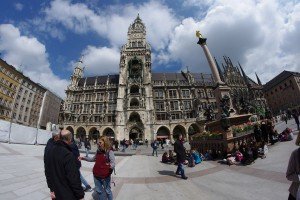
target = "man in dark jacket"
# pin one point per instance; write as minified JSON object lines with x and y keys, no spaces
{"x":62,"y":173}
{"x":51,"y":141}
{"x":49,"y":145}
{"x":180,"y":156}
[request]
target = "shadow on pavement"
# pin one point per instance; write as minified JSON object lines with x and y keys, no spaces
{"x":167,"y":173}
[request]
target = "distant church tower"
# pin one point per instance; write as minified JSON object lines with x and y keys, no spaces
{"x":135,"y":102}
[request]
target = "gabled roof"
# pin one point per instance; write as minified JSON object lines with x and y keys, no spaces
{"x":179,"y":76}
{"x":112,"y":79}
{"x":167,"y":76}
{"x":279,"y":78}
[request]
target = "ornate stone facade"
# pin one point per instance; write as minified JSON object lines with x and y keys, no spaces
{"x":137,"y":103}
{"x":247,"y":96}
{"x":21,"y":99}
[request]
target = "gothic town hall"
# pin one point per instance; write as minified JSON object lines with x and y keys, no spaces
{"x":138,"y":103}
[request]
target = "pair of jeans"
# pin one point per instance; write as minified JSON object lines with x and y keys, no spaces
{"x":180,"y":170}
{"x":154,"y":151}
{"x":83,"y":181}
{"x":102,"y":187}
{"x":87,"y":152}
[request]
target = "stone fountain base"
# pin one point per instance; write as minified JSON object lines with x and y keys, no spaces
{"x":224,"y":141}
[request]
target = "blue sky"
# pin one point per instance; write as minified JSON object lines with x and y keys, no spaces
{"x":44,"y":39}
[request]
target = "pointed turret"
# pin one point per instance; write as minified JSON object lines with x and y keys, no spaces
{"x":223,"y":67}
{"x":137,"y":27}
{"x":244,"y":75}
{"x":219,"y":70}
{"x":77,"y":73}
{"x":258,"y":80}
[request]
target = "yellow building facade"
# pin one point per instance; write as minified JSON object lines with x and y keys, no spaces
{"x":10,"y":81}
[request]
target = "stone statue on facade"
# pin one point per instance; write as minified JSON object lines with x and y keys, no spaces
{"x":209,"y":113}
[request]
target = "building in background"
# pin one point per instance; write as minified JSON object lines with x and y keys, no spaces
{"x":50,"y":108}
{"x":283,"y":91}
{"x":37,"y":105}
{"x":139,"y":104}
{"x":244,"y":92}
{"x":25,"y":102}
{"x":10,"y":81}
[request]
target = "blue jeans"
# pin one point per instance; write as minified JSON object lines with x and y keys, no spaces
{"x":102,"y":187}
{"x":180,"y":170}
{"x":154,"y":150}
{"x":87,"y":151}
{"x":83,"y":181}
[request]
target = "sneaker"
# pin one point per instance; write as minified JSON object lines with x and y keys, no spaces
{"x":184,"y":177}
{"x":88,"y":189}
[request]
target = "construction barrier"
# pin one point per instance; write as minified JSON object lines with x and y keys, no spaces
{"x":20,"y":134}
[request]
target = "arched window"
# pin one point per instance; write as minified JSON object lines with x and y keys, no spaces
{"x":134,"y":117}
{"x":134,"y":89}
{"x":134,"y":103}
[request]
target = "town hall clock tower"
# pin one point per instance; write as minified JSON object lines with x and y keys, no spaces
{"x":134,"y":110}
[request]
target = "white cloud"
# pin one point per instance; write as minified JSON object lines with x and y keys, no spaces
{"x":244,"y":31}
{"x":18,"y":6}
{"x":113,"y":22}
{"x":101,"y":60}
{"x":158,"y":18}
{"x":198,"y":3}
{"x":29,"y":55}
{"x":77,"y":17}
{"x":50,"y":29}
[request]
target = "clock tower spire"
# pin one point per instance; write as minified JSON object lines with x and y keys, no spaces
{"x":135,"y":102}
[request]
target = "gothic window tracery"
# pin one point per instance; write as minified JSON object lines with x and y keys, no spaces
{"x":135,"y":68}
{"x":134,"y":103}
{"x":134,"y":89}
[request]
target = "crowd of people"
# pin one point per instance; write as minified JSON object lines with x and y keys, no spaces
{"x":62,"y":160}
{"x":193,"y":157}
{"x":250,"y":149}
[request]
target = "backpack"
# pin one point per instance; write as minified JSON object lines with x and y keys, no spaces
{"x":101,"y":170}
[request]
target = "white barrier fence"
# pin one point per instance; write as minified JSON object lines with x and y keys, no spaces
{"x":16,"y":133}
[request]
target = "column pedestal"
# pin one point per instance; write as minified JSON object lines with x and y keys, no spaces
{"x":220,"y":91}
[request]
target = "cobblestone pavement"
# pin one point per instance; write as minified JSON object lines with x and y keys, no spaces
{"x":145,"y":177}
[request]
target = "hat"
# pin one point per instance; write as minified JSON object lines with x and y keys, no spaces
{"x":55,"y":133}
